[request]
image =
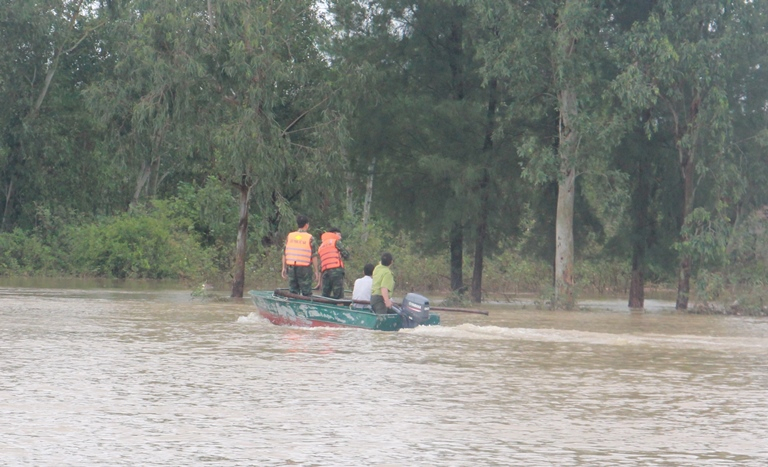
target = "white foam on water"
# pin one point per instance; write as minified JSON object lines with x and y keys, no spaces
{"x":252,"y":317}
{"x":476,"y":332}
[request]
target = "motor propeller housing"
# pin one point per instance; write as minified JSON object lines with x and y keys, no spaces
{"x":414,"y":310}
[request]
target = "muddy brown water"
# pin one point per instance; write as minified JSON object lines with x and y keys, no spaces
{"x":107,"y":374}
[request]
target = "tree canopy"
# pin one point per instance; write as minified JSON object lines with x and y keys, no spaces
{"x":557,"y":131}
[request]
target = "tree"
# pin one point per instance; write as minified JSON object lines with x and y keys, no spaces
{"x":680,"y":66}
{"x":47,"y":56}
{"x":428,"y":123}
{"x":269,"y":105}
{"x":240,"y":89}
{"x":149,"y":98}
{"x":555,"y":53}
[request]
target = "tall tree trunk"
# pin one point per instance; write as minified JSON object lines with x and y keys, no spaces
{"x":564,"y":256}
{"x":455,"y":50}
{"x":687,"y":167}
{"x":368,"y":198}
{"x":211,"y":27}
{"x":141,"y":182}
{"x":154,"y":179}
{"x":637,"y":278}
{"x":482,"y":234}
{"x":687,"y":160}
{"x":238,"y":284}
{"x":46,"y":84}
{"x":482,"y":221}
{"x":8,"y":195}
{"x":457,"y":257}
{"x":640,"y":205}
{"x":349,"y":193}
{"x":567,"y":148}
{"x":53,"y":64}
{"x":639,"y":241}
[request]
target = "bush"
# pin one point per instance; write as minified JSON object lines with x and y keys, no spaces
{"x":22,"y":253}
{"x":739,"y":285}
{"x":210,"y":212}
{"x":509,"y":272}
{"x":603,"y":276}
{"x":138,"y":245}
{"x":263,"y":267}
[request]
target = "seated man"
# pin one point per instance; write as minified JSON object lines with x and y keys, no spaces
{"x":362,"y":290}
{"x":383,"y":285}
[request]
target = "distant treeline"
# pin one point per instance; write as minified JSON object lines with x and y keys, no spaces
{"x":559,"y":147}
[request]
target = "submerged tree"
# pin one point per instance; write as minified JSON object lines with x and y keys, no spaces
{"x":681,"y":61}
{"x":554,"y":52}
{"x":270,"y":105}
{"x":239,"y":88}
{"x":428,"y":123}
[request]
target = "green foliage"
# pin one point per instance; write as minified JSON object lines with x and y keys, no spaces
{"x":138,"y":245}
{"x":710,"y":285}
{"x":46,"y":132}
{"x":542,"y":161}
{"x":209,"y":212}
{"x":738,"y":282}
{"x":603,"y":276}
{"x":511,"y":272}
{"x":166,"y":105}
{"x":24,"y":254}
{"x":705,"y":237}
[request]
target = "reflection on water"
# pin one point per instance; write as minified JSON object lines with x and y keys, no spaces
{"x":115,"y":376}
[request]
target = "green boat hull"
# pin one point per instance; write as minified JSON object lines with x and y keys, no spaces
{"x":286,"y":309}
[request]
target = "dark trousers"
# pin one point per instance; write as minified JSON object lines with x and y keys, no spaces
{"x":300,"y":279}
{"x":333,"y":283}
{"x":378,"y":306}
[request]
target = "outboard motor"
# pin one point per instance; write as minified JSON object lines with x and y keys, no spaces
{"x":415,"y":310}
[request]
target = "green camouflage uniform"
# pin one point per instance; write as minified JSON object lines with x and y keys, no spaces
{"x":333,"y":279}
{"x":300,"y":277}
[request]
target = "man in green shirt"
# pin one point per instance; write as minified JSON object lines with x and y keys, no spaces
{"x":383,"y":285}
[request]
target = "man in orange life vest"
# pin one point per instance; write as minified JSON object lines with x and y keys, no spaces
{"x":300,"y":258}
{"x":332,"y":255}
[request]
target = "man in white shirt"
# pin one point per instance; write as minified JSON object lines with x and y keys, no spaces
{"x":362,"y":289}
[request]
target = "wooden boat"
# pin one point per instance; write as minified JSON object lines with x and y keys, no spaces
{"x":284,"y":308}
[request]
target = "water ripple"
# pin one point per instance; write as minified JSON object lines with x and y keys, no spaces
{"x":104,"y":378}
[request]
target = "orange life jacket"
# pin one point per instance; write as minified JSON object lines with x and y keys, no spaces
{"x":298,"y":249}
{"x":330,"y":257}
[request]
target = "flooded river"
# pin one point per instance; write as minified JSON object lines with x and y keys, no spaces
{"x":115,"y":376}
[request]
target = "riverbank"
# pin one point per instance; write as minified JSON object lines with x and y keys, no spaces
{"x":657,"y":299}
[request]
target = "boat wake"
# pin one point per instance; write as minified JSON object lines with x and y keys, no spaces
{"x":252,"y":317}
{"x":682,"y":341}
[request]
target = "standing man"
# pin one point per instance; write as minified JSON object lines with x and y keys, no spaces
{"x":383,"y":285}
{"x":332,"y":255}
{"x":300,"y":259}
